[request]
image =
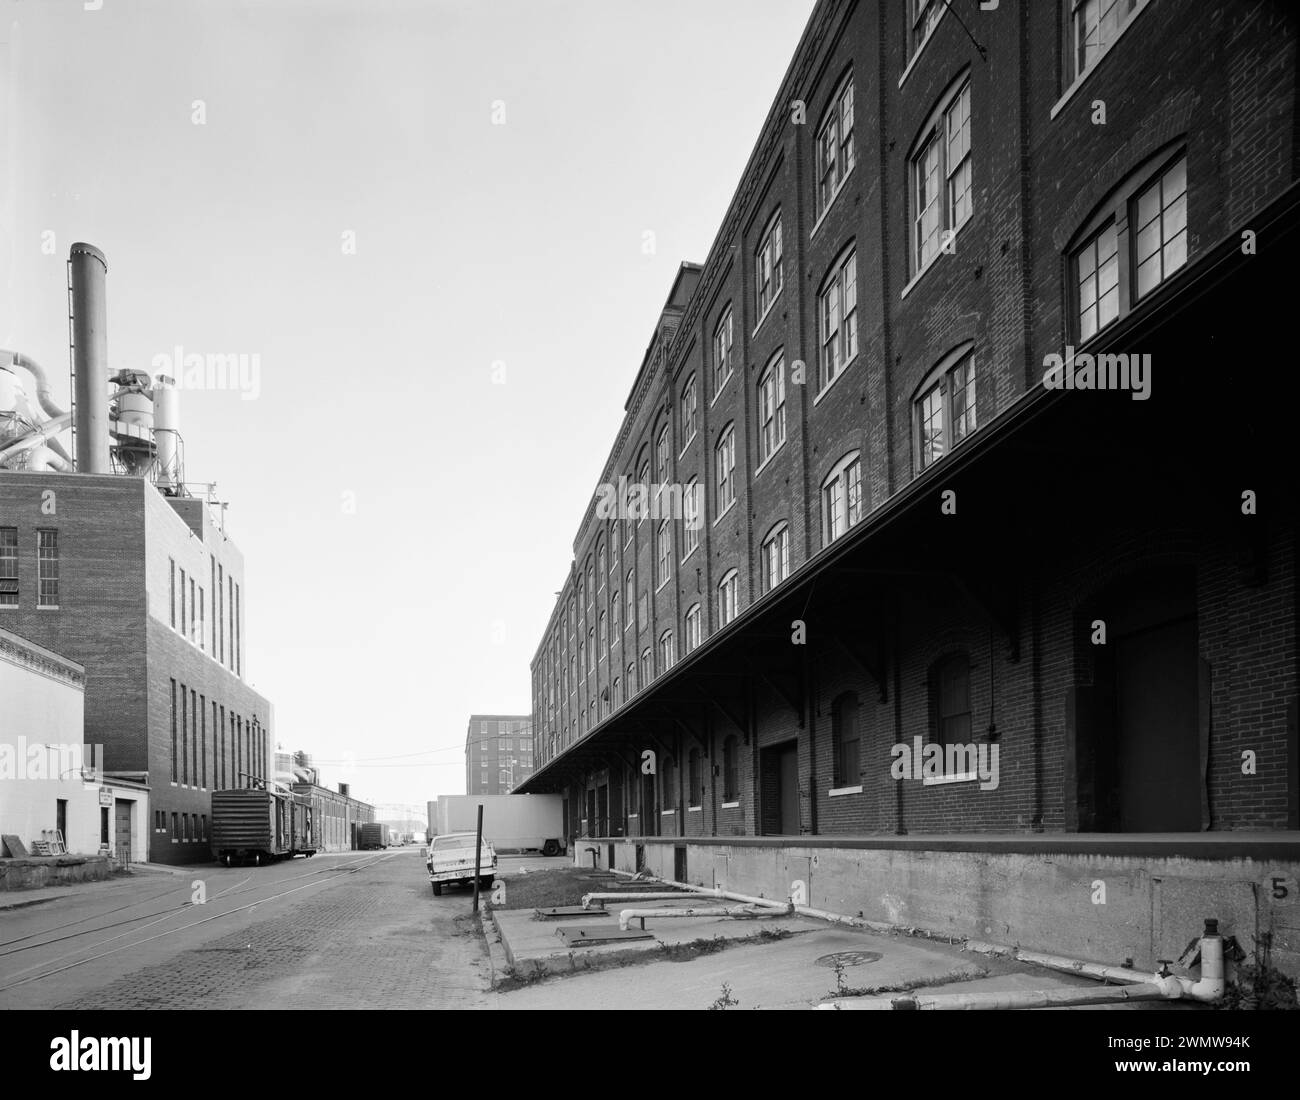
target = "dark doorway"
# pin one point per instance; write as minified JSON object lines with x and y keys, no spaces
{"x":591,"y":813}
{"x":779,"y":769}
{"x":1149,"y":743}
{"x":602,"y":810}
{"x":61,"y":818}
{"x":679,"y":863}
{"x":122,"y":830}
{"x":649,"y":810}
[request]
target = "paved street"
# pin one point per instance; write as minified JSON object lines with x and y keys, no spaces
{"x":352,"y":930}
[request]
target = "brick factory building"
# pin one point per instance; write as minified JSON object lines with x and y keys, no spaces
{"x":147,"y":593}
{"x":878,"y":593}
{"x":498,"y":752}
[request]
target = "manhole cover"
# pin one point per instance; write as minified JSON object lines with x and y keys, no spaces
{"x":848,"y":958}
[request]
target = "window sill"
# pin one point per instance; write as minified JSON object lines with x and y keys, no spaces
{"x":942,"y":780}
{"x":956,"y":232}
{"x":685,"y":447}
{"x":633,"y":815}
{"x":770,"y":306}
{"x":694,"y":809}
{"x":723,"y":514}
{"x":49,"y":607}
{"x":731,"y":805}
{"x":691,"y":554}
{"x":1082,"y":78}
{"x":662,"y":585}
{"x":667,"y":813}
{"x":911,"y":63}
{"x":722,"y":387}
{"x":768,"y":460}
{"x":839,"y":374}
{"x":839,"y":190}
{"x":836,"y":792}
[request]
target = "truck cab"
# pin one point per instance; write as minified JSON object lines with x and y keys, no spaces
{"x":450,"y":860}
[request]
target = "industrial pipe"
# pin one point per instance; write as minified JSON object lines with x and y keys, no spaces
{"x":1155,"y":989}
{"x":729,"y":894}
{"x":43,"y":392}
{"x":628,"y":915}
{"x":37,"y":437}
{"x":587,"y":899}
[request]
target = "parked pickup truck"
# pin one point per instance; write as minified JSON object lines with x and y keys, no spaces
{"x":451,"y":860}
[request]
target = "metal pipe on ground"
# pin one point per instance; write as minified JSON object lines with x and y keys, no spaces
{"x":1156,"y":989}
{"x":629,"y":915}
{"x":731,"y":895}
{"x":647,"y":895}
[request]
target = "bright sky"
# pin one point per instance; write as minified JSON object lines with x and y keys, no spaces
{"x":406,"y":520}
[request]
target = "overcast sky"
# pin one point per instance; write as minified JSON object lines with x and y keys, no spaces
{"x":427,"y":221}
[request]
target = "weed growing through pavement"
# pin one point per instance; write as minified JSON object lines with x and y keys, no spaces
{"x":724,"y":1002}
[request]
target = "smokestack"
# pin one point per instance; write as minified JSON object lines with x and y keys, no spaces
{"x":90,"y":356}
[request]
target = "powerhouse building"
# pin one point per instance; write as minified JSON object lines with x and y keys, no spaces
{"x":943,"y":565}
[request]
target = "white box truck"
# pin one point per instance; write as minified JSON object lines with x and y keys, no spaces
{"x":519,"y":822}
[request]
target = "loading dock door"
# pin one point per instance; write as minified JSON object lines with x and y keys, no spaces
{"x":789,"y":797}
{"x":122,"y":830}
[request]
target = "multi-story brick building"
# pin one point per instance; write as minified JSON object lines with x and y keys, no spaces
{"x":146,"y":591}
{"x":901,"y":531}
{"x":498,"y":752}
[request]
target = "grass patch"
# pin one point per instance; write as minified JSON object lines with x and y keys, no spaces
{"x":548,"y":888}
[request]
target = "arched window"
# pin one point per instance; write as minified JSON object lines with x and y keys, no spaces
{"x":944,"y":408}
{"x":841,"y":497}
{"x":663,"y":459}
{"x":647,"y":667}
{"x":846,"y":740}
{"x":629,"y":684}
{"x":835,"y":145}
{"x":722,"y":348}
{"x":630,"y":618}
{"x":664,"y":548}
{"x":692,"y":517}
{"x":600,"y":563}
{"x":942,"y":196}
{"x":690,"y":411}
{"x":771,"y":407}
{"x":643,"y":490}
{"x":837,"y":319}
{"x":775,"y":556}
{"x":950,"y":686}
{"x":731,"y":769}
{"x":767,"y":265}
{"x":694,"y":628}
{"x":667,"y":651}
{"x":604,"y":636}
{"x":728,"y":597}
{"x":725,"y":468}
{"x":616,"y":692}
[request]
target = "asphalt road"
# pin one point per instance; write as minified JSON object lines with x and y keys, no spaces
{"x":349,"y":930}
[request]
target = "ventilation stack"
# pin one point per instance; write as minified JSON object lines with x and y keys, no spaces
{"x":87,"y":269}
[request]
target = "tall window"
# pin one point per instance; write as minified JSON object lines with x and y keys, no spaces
{"x":1097,"y":274}
{"x":837,"y":310}
{"x":771,"y":408}
{"x":690,"y":411}
{"x":172,"y":590}
{"x":647,"y":666}
{"x":941,"y":177}
{"x":613,"y":619}
{"x":629,"y":682}
{"x":664,"y":568}
{"x":175,"y":746}
{"x":776,"y":556}
{"x":952,"y":710}
{"x":695,"y":778}
{"x":841,"y":498}
{"x":728,"y":597}
{"x":945,"y":409}
{"x":835,"y":145}
{"x":845,"y":740}
{"x":667,"y":650}
{"x":600,"y":563}
{"x":618,"y":694}
{"x":643,"y":478}
{"x":1161,"y":224}
{"x":185,"y":734}
{"x":8,"y":566}
{"x":691,"y":518}
{"x":924,"y":15}
{"x":731,"y":769}
{"x":722,"y":352}
{"x":767,"y":265}
{"x":663,"y":460}
{"x":1094,"y":25}
{"x":604,"y":636}
{"x":591,"y":648}
{"x":694,"y":632}
{"x":725,"y":461}
{"x":631,"y":602}
{"x":47,"y":566}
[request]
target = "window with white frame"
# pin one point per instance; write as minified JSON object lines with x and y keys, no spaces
{"x":664,"y":567}
{"x":618,"y":694}
{"x":690,"y":518}
{"x":925,"y":14}
{"x":837,"y":311}
{"x":722,"y":345}
{"x":1094,"y":25}
{"x":613,"y":619}
{"x":694,"y":633}
{"x":643,"y":477}
{"x":647,"y":666}
{"x":631,"y":601}
{"x":728,"y":597}
{"x":591,"y":648}
{"x":47,"y":568}
{"x":942,"y":196}
{"x":690,"y":411}
{"x":667,"y":650}
{"x":9,"y":571}
{"x":835,"y":145}
{"x":604,"y":636}
{"x":767,"y":265}
{"x":629,"y":680}
{"x":775,"y":556}
{"x":945,"y":407}
{"x":600,"y":564}
{"x":842,"y":498}
{"x":1133,"y":243}
{"x":663,"y":460}
{"x":771,"y":408}
{"x":725,"y":463}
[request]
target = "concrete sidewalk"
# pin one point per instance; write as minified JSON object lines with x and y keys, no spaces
{"x":21,"y":899}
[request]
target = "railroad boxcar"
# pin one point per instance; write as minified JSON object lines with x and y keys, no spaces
{"x":258,"y":826}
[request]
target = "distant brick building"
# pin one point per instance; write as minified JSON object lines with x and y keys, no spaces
{"x":498,"y":752}
{"x":147,"y":593}
{"x":881,"y":529}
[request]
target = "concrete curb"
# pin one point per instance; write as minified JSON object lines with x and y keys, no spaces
{"x":498,"y":951}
